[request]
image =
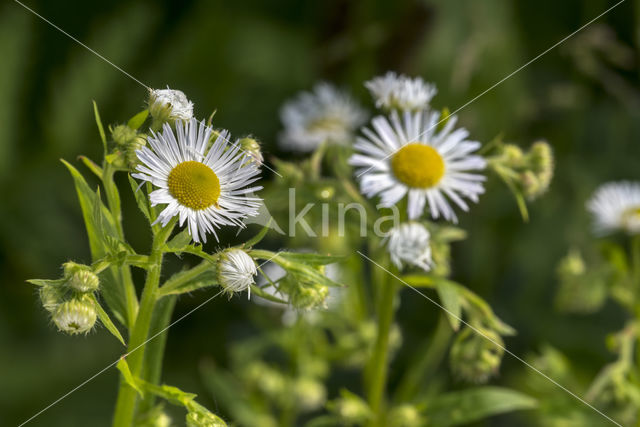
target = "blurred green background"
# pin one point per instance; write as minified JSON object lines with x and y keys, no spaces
{"x":244,"y":59}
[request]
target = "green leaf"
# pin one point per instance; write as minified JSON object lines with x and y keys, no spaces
{"x":180,"y":242}
{"x":470,"y":405}
{"x":138,"y":120}
{"x":112,"y":291}
{"x":312,"y":258}
{"x":450,"y":299}
{"x":97,"y":170}
{"x":103,"y":137}
{"x":123,"y":367}
{"x":181,"y":283}
{"x":106,"y":321}
{"x":419,"y":281}
{"x":141,"y":198}
{"x":46,"y":282}
{"x":262,"y":294}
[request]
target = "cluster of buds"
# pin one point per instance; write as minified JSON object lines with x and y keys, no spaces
{"x":127,"y":141}
{"x":406,"y":415}
{"x":581,"y":290}
{"x":70,"y":300}
{"x":531,"y":172}
{"x":251,"y":147}
{"x":476,"y":358}
{"x":304,"y":293}
{"x":309,"y":393}
{"x":356,"y":345}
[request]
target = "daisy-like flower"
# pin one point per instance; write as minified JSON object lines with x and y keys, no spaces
{"x":409,"y":156}
{"x":236,"y":271}
{"x":393,"y":91}
{"x":409,"y":243}
{"x":324,"y":115}
{"x":206,"y":187}
{"x":616,"y":206}
{"x":170,"y":104}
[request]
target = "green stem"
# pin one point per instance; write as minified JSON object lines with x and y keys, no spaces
{"x":113,"y":199}
{"x":427,"y":361}
{"x":126,"y":404}
{"x":155,"y":348}
{"x":380,"y":359}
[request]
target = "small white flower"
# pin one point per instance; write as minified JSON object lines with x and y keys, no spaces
{"x":75,"y":316}
{"x":410,"y":156}
{"x":324,"y":115}
{"x":616,"y":206}
{"x":236,"y":271}
{"x":207,"y":187}
{"x":409,"y":243}
{"x":393,"y":91}
{"x":170,"y":104}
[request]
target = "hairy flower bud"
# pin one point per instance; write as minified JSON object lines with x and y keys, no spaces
{"x":513,"y":155}
{"x":251,"y":147}
{"x":122,"y":134}
{"x":310,"y":394}
{"x":80,"y":277}
{"x":406,"y":416}
{"x":236,"y":270}
{"x":76,"y":316}
{"x":475,"y":358}
{"x":169,"y":105}
{"x":51,"y":297}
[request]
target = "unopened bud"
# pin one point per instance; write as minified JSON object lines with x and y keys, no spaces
{"x":310,"y":394}
{"x":122,"y":134}
{"x":350,"y":409}
{"x":406,"y":416}
{"x":251,"y":147}
{"x":169,"y":105}
{"x":512,"y":154}
{"x":80,"y":277}
{"x":76,"y":316}
{"x":236,"y":271}
{"x":51,"y":297}
{"x":476,"y":358}
{"x":541,"y":156}
{"x":266,"y":379}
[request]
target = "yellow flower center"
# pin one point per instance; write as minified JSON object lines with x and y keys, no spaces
{"x":631,"y":217}
{"x":418,"y":165}
{"x":194,"y":185}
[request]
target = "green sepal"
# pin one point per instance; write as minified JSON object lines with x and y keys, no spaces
{"x":106,"y":320}
{"x":138,"y":120}
{"x":467,"y":406}
{"x":141,"y":198}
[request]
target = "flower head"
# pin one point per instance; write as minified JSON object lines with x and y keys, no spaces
{"x":410,"y":243}
{"x":393,"y":91}
{"x":236,"y":271}
{"x":80,"y":277}
{"x":616,"y":206}
{"x":206,"y":187}
{"x":76,"y":316}
{"x":324,"y":115}
{"x":408,"y":156}
{"x":169,"y":105}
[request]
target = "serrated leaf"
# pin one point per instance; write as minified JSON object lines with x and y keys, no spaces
{"x":467,"y":406}
{"x":138,"y":120}
{"x":103,"y":137}
{"x":450,"y":299}
{"x":123,"y":367}
{"x":141,"y":198}
{"x":106,"y":321}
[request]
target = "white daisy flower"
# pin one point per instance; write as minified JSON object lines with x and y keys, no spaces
{"x":616,"y":206}
{"x":393,"y":91}
{"x":326,"y":114}
{"x":170,"y":104}
{"x":410,"y":243}
{"x":236,"y":271}
{"x":409,"y":156}
{"x":207,"y":187}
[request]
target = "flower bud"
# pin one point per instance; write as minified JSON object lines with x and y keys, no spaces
{"x":75,"y":316}
{"x":155,"y":417}
{"x":541,"y":156}
{"x":251,"y":147}
{"x":269,"y":381}
{"x":51,"y":297}
{"x":405,"y":416}
{"x":580,"y":291}
{"x":309,"y":393}
{"x":122,"y":134}
{"x":512,"y":154}
{"x":475,"y":358}
{"x":351,"y":409}
{"x":169,"y":105}
{"x":236,"y":270}
{"x":80,"y":277}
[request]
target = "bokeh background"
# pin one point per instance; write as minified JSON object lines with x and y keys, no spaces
{"x":244,"y":59}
